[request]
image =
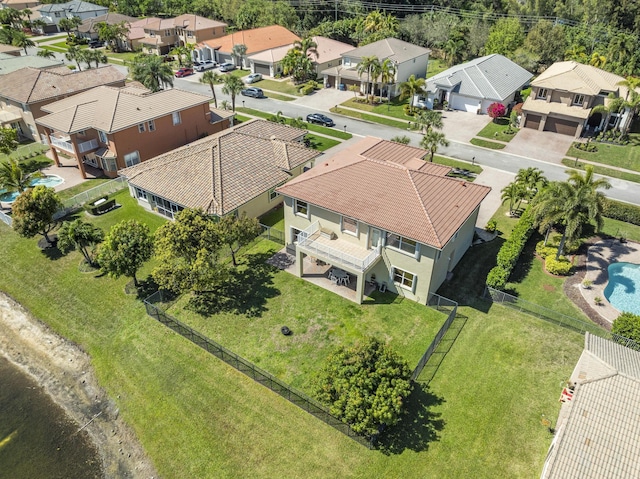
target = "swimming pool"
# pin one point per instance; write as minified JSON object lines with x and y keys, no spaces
{"x":49,"y":181}
{"x":623,"y":289}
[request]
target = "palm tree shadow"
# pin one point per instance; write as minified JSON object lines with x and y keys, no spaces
{"x":419,"y":427}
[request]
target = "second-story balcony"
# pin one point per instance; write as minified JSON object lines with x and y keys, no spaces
{"x":317,"y":242}
{"x":66,"y":145}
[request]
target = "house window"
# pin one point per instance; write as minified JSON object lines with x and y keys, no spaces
{"x":301,"y":208}
{"x":166,"y":208}
{"x":151,"y":125}
{"x":141,"y":194}
{"x":578,"y":100}
{"x":403,"y":244}
{"x":152,"y":34}
{"x":57,"y":14}
{"x":141,"y":128}
{"x":167,"y":33}
{"x":542,"y":93}
{"x":273,"y":194}
{"x":349,"y":225}
{"x":131,"y":159}
{"x":109,"y":164}
{"x":403,"y":278}
{"x":103,"y":136}
{"x":176,"y":118}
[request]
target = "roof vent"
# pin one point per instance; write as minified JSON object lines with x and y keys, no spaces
{"x":274,"y":137}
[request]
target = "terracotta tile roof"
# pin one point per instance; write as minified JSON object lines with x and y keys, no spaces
{"x":578,"y":78}
{"x":388,"y":192}
{"x":195,"y":22}
{"x":256,"y":40}
{"x":136,"y":29}
{"x":30,"y":85}
{"x":598,"y":429}
{"x":222,"y":172}
{"x":112,"y":109}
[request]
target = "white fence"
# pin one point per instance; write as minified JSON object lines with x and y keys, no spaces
{"x":6,"y":218}
{"x":80,"y":199}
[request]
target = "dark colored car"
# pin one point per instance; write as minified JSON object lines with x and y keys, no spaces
{"x":95,"y":44}
{"x":183,"y":72}
{"x":253,"y":92}
{"x":320,"y":119}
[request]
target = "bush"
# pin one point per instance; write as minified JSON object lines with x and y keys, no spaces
{"x":496,"y":110}
{"x":403,"y":140}
{"x":407,"y":110}
{"x":306,"y":89}
{"x":498,"y":277}
{"x":561,"y":266}
{"x":627,"y":325}
{"x":491,"y":226}
{"x":621,"y":211}
{"x":545,"y":251}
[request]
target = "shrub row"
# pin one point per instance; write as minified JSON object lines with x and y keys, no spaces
{"x":560,"y":266}
{"x":510,"y":252}
{"x":621,"y":211}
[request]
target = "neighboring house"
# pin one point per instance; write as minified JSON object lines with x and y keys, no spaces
{"x":232,"y":172}
{"x":329,"y":54}
{"x":10,"y":50}
{"x":112,"y":128}
{"x":380,"y":212}
{"x":563,"y":96}
{"x":256,"y":40}
{"x":89,"y":28}
{"x":409,"y":60}
{"x":18,"y":4}
{"x":474,"y":85}
{"x":24,"y":93}
{"x":54,"y":12}
{"x":162,"y":35}
{"x":598,"y":428}
{"x":136,"y":33}
{"x":11,"y":63}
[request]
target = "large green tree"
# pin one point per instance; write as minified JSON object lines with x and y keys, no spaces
{"x":33,"y":212}
{"x":21,"y":40}
{"x":8,"y":140}
{"x":82,"y":236}
{"x":113,"y":34}
{"x":127,"y":246}
{"x":412,"y":87}
{"x":365,"y":385}
{"x":431,"y":141}
{"x":505,"y":37}
{"x":152,"y":72}
{"x":547,"y":41}
{"x":237,"y":232}
{"x":627,"y":325}
{"x":232,"y":85}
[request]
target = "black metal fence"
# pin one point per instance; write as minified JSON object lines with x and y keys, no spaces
{"x":445,"y":305}
{"x":271,"y":234}
{"x":249,"y":369}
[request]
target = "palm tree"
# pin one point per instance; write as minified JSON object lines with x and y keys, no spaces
{"x":307,"y":46}
{"x":211,"y":78}
{"x":431,"y":141}
{"x":367,"y":65}
{"x":68,"y":24}
{"x":514,"y":193}
{"x":532,"y":180}
{"x":614,"y":104}
{"x":14,"y":178}
{"x":21,"y":40}
{"x":429,"y":119}
{"x":412,"y":87}
{"x":75,"y":54}
{"x":232,"y":85}
{"x":576,"y":53}
{"x":82,"y":236}
{"x":97,"y":56}
{"x":239,"y":50}
{"x":388,"y":71}
{"x":597,"y":60}
{"x":152,"y":72}
{"x":46,"y":54}
{"x":632,"y":98}
{"x":179,"y":52}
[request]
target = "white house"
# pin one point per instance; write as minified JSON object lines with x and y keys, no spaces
{"x":54,"y":12}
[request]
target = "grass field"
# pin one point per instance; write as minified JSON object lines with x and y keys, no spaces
{"x":492,"y":145}
{"x":321,"y":143}
{"x":627,"y":157}
{"x":394,"y":109}
{"x":463,"y":165}
{"x":497,"y":131}
{"x":25,"y":151}
{"x":372,"y":118}
{"x":82,"y":187}
{"x":603,"y":170}
{"x":278,"y":86}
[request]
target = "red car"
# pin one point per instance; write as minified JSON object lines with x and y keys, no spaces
{"x":184,"y":72}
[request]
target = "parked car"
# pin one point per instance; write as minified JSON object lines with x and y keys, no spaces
{"x":253,"y":92}
{"x":227,"y":67}
{"x":96,"y":44}
{"x":184,"y":72}
{"x":205,"y":65}
{"x":320,"y":119}
{"x":254,"y":77}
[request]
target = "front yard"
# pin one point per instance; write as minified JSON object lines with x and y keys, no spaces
{"x":627,"y":156}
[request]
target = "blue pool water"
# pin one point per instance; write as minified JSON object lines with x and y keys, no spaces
{"x":623,"y":289}
{"x":49,"y":181}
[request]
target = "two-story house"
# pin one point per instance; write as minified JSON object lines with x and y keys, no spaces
{"x":563,"y":96}
{"x":381,"y":213}
{"x":408,"y":59}
{"x":24,"y":93}
{"x":113,"y":128}
{"x":54,"y":12}
{"x":89,"y":28}
{"x":162,"y":35}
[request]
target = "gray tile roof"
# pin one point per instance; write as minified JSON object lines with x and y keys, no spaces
{"x":10,"y":63}
{"x":74,"y":6}
{"x":492,"y":77}
{"x":599,"y":435}
{"x":222,"y":172}
{"x":392,"y":48}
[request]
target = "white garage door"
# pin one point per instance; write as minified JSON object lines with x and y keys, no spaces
{"x":464,"y":103}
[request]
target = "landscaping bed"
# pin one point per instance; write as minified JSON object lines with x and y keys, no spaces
{"x":627,"y":156}
{"x":498,"y":130}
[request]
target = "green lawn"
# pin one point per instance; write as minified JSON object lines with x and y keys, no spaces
{"x":278,"y":86}
{"x":315,"y":128}
{"x":497,"y":131}
{"x":603,"y":170}
{"x":274,"y":218}
{"x":617,"y":228}
{"x":462,"y":165}
{"x":487,"y":144}
{"x":479,"y":416}
{"x":321,"y":143}
{"x":123,"y":57}
{"x":25,"y":150}
{"x":372,"y":118}
{"x":627,"y":157}
{"x":436,"y":65}
{"x":82,"y":187}
{"x":394,"y":109}
{"x":49,"y":39}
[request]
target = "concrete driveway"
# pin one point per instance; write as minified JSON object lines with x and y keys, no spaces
{"x":462,"y":126}
{"x":324,"y":99}
{"x":540,"y":145}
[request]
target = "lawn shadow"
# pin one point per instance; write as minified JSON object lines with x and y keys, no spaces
{"x":419,"y":427}
{"x":245,"y":291}
{"x":525,"y":260}
{"x":378,"y":297}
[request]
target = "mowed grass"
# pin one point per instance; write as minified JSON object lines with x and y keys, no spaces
{"x":394,"y":109}
{"x":285,"y":87}
{"x":603,"y":170}
{"x":492,"y":145}
{"x":621,"y":229}
{"x":197,"y":417}
{"x":68,"y":193}
{"x":321,"y":143}
{"x":498,"y":130}
{"x":368,"y":117}
{"x":627,"y":156}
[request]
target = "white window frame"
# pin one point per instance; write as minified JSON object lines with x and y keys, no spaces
{"x":141,"y":194}
{"x":107,"y":163}
{"x":176,"y":118}
{"x":298,"y":213}
{"x":273,"y":194}
{"x":401,"y":240}
{"x":539,"y":94}
{"x":141,"y":128}
{"x":151,"y":125}
{"x":403,"y":279}
{"x":347,"y":231}
{"x":576,"y":97}
{"x":103,"y":137}
{"x":126,"y":158}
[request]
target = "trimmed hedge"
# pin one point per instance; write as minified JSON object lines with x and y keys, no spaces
{"x":561,"y":266}
{"x":621,"y":211}
{"x":510,"y":252}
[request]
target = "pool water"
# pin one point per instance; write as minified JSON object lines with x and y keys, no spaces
{"x":49,"y":181}
{"x":623,"y":289}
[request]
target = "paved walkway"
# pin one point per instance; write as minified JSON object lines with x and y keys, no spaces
{"x":599,"y":257}
{"x":497,"y":180}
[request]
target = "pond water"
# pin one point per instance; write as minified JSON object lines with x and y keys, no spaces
{"x":623,"y":289}
{"x":37,"y":438}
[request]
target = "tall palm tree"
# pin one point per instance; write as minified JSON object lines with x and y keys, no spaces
{"x":514,"y":193}
{"x":632,"y":98}
{"x":532,"y":180}
{"x":412,"y":87}
{"x":597,"y":60}
{"x":307,"y":46}
{"x":431,"y":141}
{"x":152,"y":72}
{"x":75,"y":54}
{"x":232,"y":85}
{"x":367,"y":65}
{"x":46,"y":54}
{"x":211,"y":78}
{"x":21,"y":40}
{"x":388,"y":72}
{"x":429,"y":119}
{"x":239,"y":50}
{"x":97,"y":56}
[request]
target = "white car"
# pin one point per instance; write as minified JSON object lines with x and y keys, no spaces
{"x":206,"y":65}
{"x":254,"y":77}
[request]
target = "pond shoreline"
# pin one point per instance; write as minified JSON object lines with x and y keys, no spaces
{"x":65,"y":373}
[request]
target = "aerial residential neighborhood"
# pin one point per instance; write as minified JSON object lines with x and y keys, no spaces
{"x":307,"y":239}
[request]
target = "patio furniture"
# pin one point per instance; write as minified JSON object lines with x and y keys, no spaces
{"x":341,"y":276}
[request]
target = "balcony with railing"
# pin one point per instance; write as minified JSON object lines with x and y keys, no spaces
{"x":66,"y":145}
{"x":314,"y":241}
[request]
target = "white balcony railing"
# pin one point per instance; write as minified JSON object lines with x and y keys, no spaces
{"x":68,"y":146}
{"x":307,"y":240}
{"x":87,"y":145}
